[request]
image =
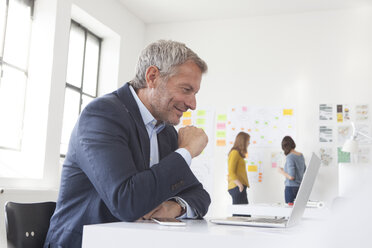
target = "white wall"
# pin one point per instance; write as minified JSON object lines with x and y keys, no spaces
{"x":123,"y":36}
{"x":297,"y":59}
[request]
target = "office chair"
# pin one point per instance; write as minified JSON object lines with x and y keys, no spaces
{"x":27,"y":223}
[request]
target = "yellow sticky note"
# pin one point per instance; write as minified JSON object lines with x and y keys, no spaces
{"x":186,"y":122}
{"x":252,"y":168}
{"x":186,"y":114}
{"x":287,"y":111}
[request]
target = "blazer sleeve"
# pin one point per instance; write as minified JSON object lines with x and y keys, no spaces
{"x":105,"y":154}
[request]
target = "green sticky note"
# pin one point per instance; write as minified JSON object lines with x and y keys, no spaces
{"x":343,"y":157}
{"x":221,"y":117}
{"x":200,"y":121}
{"x":201,"y":113}
{"x":221,"y":134}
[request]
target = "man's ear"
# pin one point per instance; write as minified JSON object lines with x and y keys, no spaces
{"x":152,"y":73}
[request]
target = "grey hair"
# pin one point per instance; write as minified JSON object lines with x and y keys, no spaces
{"x":166,"y":55}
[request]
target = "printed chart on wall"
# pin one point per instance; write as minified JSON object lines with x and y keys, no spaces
{"x":266,"y":125}
{"x":202,"y":165}
{"x":335,"y":128}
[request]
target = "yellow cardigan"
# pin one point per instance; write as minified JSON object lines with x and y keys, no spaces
{"x":237,"y":169}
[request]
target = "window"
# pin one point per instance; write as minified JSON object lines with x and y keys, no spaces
{"x":81,"y":79}
{"x":15,"y":30}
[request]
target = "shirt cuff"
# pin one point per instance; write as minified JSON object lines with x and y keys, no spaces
{"x":190,"y":214}
{"x":185,"y":154}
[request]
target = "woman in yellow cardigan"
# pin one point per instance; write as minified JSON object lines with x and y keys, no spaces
{"x":237,"y":177}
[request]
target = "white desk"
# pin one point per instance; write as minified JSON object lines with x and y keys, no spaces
{"x":197,"y":233}
{"x":277,"y":210}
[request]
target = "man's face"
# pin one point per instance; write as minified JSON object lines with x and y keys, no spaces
{"x":171,"y":98}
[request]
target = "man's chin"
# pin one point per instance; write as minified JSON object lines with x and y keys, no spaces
{"x":174,"y":121}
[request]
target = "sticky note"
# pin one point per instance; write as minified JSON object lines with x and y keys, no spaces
{"x":200,"y":121}
{"x":221,"y":134}
{"x":221,"y":142}
{"x":244,"y":109}
{"x":287,"y":111}
{"x":186,"y":114}
{"x":221,"y":117}
{"x":221,"y":125}
{"x":252,"y":168}
{"x":201,"y":113}
{"x":186,"y":122}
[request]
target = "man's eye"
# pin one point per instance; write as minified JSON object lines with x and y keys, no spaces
{"x":186,"y":90}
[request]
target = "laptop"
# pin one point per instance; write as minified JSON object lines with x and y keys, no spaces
{"x":298,"y":207}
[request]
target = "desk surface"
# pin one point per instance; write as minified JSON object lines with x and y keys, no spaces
{"x":197,"y":233}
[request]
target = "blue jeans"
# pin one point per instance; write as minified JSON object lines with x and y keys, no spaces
{"x":290,"y":193}
{"x":237,"y":196}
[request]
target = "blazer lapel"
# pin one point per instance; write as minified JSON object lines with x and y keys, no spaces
{"x":125,"y":96}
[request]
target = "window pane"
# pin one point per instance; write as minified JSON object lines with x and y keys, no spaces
{"x":75,"y":56}
{"x":70,"y":115}
{"x":85,"y":101}
{"x":91,"y":65}
{"x":2,"y":24}
{"x":17,"y":34}
{"x":12,"y":95}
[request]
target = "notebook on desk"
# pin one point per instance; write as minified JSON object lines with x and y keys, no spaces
{"x":298,"y":207}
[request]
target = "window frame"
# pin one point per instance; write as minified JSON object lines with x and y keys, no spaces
{"x":29,"y":3}
{"x":79,"y":90}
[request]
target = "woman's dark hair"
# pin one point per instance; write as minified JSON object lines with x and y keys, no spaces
{"x":288,"y":144}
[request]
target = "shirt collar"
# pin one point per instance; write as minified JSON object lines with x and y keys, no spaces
{"x":147,"y":117}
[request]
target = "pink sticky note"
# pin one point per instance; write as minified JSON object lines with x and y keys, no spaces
{"x":221,"y":125}
{"x":273,"y":165}
{"x":244,"y":109}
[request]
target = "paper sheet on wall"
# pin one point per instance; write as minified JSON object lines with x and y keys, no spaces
{"x":325,"y":112}
{"x":326,"y":155}
{"x":325,"y":134}
{"x":342,"y":157}
{"x":254,"y":164}
{"x":364,"y":155}
{"x":277,"y":159}
{"x":361,"y":112}
{"x":344,"y":132}
{"x":343,"y":113}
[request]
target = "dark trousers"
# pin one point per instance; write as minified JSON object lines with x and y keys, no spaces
{"x":290,"y":193}
{"x":237,"y":196}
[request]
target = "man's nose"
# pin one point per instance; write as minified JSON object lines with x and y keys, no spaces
{"x":191,"y":102}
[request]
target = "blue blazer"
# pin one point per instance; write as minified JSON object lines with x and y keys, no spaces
{"x":106,"y":175}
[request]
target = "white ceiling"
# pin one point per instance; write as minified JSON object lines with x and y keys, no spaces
{"x":159,"y":11}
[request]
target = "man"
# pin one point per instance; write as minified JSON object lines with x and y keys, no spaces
{"x":125,"y":159}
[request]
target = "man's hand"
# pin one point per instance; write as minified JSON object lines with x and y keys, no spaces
{"x":168,"y":209}
{"x":193,"y":139}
